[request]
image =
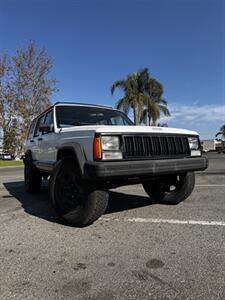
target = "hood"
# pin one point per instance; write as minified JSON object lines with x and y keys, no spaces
{"x":130,"y":129}
{"x":142,"y":129}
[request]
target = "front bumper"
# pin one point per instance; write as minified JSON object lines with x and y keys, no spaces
{"x":143,"y":168}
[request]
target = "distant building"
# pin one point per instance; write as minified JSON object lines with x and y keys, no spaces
{"x":212,"y":145}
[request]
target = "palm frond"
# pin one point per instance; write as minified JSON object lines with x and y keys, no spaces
{"x":118,"y":84}
{"x":124,"y":105}
{"x":164,"y":110}
{"x":219,"y":133}
{"x":222,"y":129}
{"x":161,"y":101}
{"x":153,"y":111}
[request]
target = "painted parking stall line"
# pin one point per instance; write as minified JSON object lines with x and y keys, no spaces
{"x":174,"y":221}
{"x":167,"y":221}
{"x":211,"y":185}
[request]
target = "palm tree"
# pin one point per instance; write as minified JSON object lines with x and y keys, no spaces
{"x":154,"y":104}
{"x":134,"y":87}
{"x":143,"y":94}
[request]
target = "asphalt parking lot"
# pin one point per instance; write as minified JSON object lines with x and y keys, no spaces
{"x":137,"y":250}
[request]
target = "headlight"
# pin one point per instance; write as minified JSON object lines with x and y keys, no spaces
{"x":110,"y":143}
{"x":193,"y":143}
{"x":107,"y":148}
{"x":194,"y":146}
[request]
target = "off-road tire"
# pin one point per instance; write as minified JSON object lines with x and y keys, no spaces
{"x":157,"y":192}
{"x":85,"y":204}
{"x":32,"y":178}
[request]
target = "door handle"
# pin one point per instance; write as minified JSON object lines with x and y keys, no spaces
{"x":40,"y":139}
{"x":31,"y":141}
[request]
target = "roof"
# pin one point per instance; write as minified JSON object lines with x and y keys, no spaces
{"x":82,"y":104}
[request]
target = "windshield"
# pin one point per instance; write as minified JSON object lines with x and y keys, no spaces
{"x":68,"y":116}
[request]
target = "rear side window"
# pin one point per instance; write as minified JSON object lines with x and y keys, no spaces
{"x":39,"y":121}
{"x":31,"y":130}
{"x":49,"y":118}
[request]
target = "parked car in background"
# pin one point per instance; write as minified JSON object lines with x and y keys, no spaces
{"x":5,"y":156}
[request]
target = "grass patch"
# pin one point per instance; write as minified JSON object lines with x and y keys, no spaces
{"x":11,"y":163}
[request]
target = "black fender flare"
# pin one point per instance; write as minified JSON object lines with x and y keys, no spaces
{"x":78,"y":151}
{"x":28,"y":158}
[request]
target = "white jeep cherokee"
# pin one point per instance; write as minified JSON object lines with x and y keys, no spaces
{"x":88,"y":149}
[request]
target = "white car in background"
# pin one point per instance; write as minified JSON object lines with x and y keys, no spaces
{"x":5,"y":156}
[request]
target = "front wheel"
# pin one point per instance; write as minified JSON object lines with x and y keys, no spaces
{"x":75,"y":202}
{"x":171,"y":190}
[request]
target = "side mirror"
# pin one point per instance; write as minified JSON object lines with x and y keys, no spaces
{"x":46,"y":128}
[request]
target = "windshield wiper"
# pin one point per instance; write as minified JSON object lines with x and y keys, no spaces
{"x":81,"y":123}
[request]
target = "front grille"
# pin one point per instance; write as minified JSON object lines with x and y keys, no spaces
{"x":145,"y":146}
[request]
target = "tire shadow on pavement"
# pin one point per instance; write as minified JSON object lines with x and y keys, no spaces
{"x":39,"y":205}
{"x":121,"y":201}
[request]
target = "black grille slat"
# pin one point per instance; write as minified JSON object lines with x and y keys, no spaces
{"x":148,"y":145}
{"x":145,"y":146}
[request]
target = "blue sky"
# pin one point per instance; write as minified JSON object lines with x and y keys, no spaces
{"x":94,"y":43}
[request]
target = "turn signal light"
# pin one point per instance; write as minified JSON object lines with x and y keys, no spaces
{"x":97,"y":149}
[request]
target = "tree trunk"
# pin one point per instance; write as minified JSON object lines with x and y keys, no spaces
{"x":135,"y":116}
{"x":135,"y":109}
{"x":138,"y":111}
{"x":149,"y":119}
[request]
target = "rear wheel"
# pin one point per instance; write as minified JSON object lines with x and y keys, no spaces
{"x":171,"y":190}
{"x":32,"y":178}
{"x":75,"y":203}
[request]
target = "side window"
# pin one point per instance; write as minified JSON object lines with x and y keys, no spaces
{"x":39,"y":121}
{"x":31,"y":130}
{"x":49,"y":118}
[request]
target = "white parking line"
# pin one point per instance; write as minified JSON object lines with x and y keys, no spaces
{"x":211,"y":185}
{"x":167,"y":221}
